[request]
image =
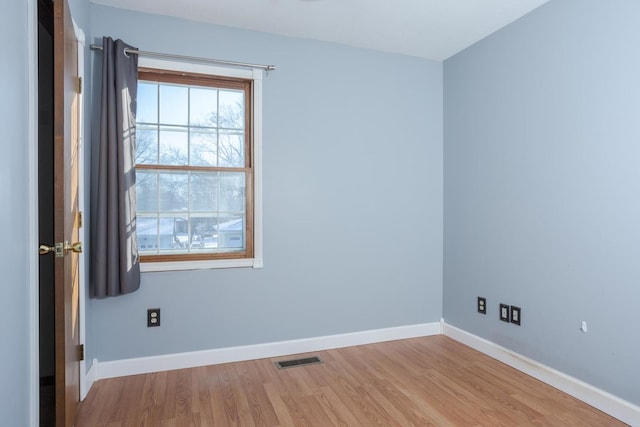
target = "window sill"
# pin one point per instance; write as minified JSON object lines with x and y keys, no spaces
{"x":147,"y":267}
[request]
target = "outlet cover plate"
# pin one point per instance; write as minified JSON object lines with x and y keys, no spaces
{"x":153,"y":317}
{"x":504,"y":312}
{"x":482,"y":305}
{"x":516,"y":315}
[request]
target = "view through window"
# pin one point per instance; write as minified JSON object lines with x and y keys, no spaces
{"x":194,"y":175}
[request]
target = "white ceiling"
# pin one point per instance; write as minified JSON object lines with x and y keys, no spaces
{"x":433,"y":29}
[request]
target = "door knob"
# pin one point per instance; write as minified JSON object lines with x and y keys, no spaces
{"x":57,"y":249}
{"x":45,"y":249}
{"x":75,"y":247}
{"x":60,"y":248}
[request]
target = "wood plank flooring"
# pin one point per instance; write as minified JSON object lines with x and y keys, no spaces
{"x":431,"y":381}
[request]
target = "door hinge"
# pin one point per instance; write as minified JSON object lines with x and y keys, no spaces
{"x":81,"y":352}
{"x":79,"y":84}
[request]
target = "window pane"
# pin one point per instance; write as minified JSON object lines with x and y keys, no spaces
{"x":174,"y":105}
{"x":204,"y":148}
{"x":178,"y":226}
{"x":146,"y":144}
{"x":147,"y":103}
{"x":232,"y":186}
{"x":173,"y":192}
{"x":204,"y":233}
{"x":231,"y":150}
{"x":147,"y":233}
{"x":174,"y":146}
{"x":231,"y":109}
{"x":204,"y":107}
{"x":146,"y":191}
{"x":204,"y":191}
{"x":231,"y":233}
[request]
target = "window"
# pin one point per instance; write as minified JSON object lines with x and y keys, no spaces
{"x":196,"y":170}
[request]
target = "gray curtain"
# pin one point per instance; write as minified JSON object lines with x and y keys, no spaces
{"x":115,"y":266}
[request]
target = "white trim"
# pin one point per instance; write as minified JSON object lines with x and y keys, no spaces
{"x":146,"y":267}
{"x":118,"y":368}
{"x":616,"y":407}
{"x":257,"y":76}
{"x":32,"y":232}
{"x":190,"y":67}
{"x":257,"y":168}
{"x":91,"y":376}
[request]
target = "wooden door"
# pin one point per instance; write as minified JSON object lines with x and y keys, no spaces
{"x":67,"y":218}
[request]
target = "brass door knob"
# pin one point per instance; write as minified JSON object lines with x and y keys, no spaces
{"x":45,"y":249}
{"x":57,"y":249}
{"x":61,"y":248}
{"x":75,"y":247}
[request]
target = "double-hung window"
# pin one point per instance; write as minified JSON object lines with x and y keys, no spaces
{"x":196,"y":170}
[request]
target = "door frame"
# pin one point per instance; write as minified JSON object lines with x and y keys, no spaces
{"x":32,"y":230}
{"x":33,"y":238}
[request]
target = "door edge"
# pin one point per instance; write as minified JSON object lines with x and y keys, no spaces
{"x":85,"y":385}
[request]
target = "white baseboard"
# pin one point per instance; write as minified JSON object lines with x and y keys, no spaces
{"x":87,"y":380}
{"x":621,"y":409}
{"x":118,"y":368}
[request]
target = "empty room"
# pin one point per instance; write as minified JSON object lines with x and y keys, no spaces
{"x":320,"y":212}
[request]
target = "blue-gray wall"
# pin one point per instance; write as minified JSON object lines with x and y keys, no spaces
{"x":14,"y":179}
{"x":542,"y":185}
{"x":352,"y":200}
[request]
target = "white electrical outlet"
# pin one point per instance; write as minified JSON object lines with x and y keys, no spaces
{"x":482,"y":305}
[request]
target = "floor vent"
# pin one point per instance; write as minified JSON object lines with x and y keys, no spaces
{"x":298,"y":362}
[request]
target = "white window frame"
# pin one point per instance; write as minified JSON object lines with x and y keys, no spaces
{"x":256,"y":75}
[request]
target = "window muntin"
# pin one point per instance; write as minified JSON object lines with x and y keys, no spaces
{"x":194,"y":167}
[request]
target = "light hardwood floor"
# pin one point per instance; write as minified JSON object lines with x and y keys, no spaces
{"x":431,"y":381}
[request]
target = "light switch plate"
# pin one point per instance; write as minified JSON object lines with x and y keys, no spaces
{"x":516,"y":315}
{"x":504,"y":312}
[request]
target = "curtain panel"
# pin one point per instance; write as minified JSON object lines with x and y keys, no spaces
{"x":114,"y":259}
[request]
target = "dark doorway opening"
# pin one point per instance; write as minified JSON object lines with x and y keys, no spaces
{"x":46,"y":336}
